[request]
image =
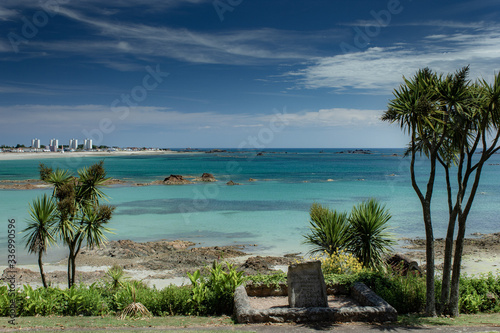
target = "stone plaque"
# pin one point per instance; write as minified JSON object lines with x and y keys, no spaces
{"x":306,"y":285}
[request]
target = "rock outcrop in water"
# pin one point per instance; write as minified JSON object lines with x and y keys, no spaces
{"x":207,"y":177}
{"x":176,"y":180}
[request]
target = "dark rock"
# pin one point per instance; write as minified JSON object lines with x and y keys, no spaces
{"x":215,"y":151}
{"x":231,"y":183}
{"x":256,"y":264}
{"x":208,"y":177}
{"x":402,"y":264}
{"x":176,"y":180}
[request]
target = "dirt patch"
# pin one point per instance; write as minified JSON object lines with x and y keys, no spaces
{"x":334,"y":301}
{"x":26,"y":184}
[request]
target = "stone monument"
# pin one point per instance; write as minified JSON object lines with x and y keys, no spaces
{"x":306,"y":285}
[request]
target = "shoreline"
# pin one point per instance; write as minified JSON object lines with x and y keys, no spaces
{"x":15,"y":156}
{"x":161,"y":263}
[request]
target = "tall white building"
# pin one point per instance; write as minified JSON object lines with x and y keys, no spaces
{"x":87,"y":145}
{"x":73,"y":144}
{"x":54,"y":145}
{"x":35,"y":143}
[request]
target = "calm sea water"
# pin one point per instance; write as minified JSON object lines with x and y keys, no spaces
{"x":271,"y":213}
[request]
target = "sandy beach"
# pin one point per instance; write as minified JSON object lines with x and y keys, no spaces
{"x":9,"y":156}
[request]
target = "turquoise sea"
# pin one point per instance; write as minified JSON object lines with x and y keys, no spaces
{"x":271,"y":212}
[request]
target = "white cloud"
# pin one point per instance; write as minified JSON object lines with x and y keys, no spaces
{"x":6,"y":14}
{"x":334,"y":117}
{"x":140,"y":40}
{"x":381,"y":69}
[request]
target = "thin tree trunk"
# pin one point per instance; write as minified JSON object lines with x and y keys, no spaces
{"x":71,"y":265}
{"x":430,"y":304}
{"x":73,"y":270}
{"x":448,"y":249}
{"x":40,"y":264}
{"x":462,"y":219}
{"x":69,"y":270}
{"x":457,"y":262}
{"x":448,"y":260}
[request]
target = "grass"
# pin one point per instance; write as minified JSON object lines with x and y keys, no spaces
{"x":63,"y":323}
{"x":483,"y":319}
{"x":198,"y":324}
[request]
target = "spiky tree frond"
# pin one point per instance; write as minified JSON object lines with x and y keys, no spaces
{"x":43,"y":216}
{"x":369,"y":238}
{"x":328,"y":229}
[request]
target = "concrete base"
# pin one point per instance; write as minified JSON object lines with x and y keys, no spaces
{"x":373,"y":309}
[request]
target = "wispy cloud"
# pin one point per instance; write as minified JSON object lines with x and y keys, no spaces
{"x":146,"y":41}
{"x":380,"y":69}
{"x":140,"y":40}
{"x":6,"y":14}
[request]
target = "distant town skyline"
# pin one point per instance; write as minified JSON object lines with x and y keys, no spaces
{"x":234,"y":74}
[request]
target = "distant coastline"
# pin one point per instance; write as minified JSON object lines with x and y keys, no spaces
{"x":9,"y":156}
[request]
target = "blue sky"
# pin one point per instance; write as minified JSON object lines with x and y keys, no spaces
{"x":227,"y":73}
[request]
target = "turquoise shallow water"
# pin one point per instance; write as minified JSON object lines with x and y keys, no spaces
{"x":271,"y":212}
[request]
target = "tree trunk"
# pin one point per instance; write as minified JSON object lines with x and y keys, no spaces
{"x":448,"y":260}
{"x":455,"y":279}
{"x":73,"y":269}
{"x":40,"y":264}
{"x":69,"y":270}
{"x":430,"y":304}
{"x":459,"y":247}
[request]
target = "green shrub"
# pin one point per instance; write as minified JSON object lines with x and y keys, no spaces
{"x":479,"y":293}
{"x":93,"y":301}
{"x":213,"y":294}
{"x":269,"y":280}
{"x":174,"y":300}
{"x":405,"y":293}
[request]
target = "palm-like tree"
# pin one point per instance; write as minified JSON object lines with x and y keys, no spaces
{"x":448,"y":118}
{"x":81,"y":218}
{"x":418,"y":110}
{"x":368,"y":237}
{"x":328,"y":229}
{"x":43,"y":216}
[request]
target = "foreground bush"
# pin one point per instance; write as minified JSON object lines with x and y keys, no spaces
{"x":363,"y":232}
{"x":479,"y":293}
{"x":213,"y":294}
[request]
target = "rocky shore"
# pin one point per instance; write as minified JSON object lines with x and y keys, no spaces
{"x":164,"y":262}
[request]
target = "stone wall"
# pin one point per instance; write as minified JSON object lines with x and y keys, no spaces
{"x":373,"y":309}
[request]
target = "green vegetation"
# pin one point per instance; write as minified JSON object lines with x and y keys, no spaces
{"x":65,"y":322}
{"x":74,"y":214}
{"x":213,"y":294}
{"x":456,"y":123}
{"x":362,"y":233}
{"x":368,"y":237}
{"x":43,"y":215}
{"x":328,"y":230}
{"x":208,"y":295}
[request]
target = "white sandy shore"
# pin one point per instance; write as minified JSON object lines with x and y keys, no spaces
{"x":6,"y":156}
